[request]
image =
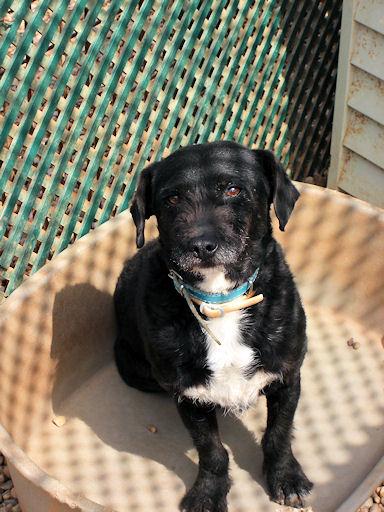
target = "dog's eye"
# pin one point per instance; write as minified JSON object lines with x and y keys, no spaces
{"x":232,"y":191}
{"x":172,"y":200}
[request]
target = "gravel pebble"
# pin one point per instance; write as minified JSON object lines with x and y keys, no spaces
{"x":11,"y":502}
{"x":375,"y":503}
{"x":59,"y":421}
{"x":8,"y":499}
{"x":354,"y":344}
{"x":6,"y":486}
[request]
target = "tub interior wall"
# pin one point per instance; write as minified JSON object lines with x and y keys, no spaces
{"x":333,"y":247}
{"x":61,"y":329}
{"x":57,"y":360}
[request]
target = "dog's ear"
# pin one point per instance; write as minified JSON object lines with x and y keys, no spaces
{"x":141,"y":208}
{"x":283,"y":193}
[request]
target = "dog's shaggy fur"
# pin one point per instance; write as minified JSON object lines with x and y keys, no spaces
{"x":212,"y":205}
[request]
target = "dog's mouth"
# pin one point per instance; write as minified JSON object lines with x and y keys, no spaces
{"x":208,"y":273}
{"x":189,"y":261}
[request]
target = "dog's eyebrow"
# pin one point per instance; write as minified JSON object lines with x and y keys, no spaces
{"x":176,"y":184}
{"x":201,"y":179}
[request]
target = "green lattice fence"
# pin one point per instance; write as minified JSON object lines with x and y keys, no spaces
{"x":90,"y":91}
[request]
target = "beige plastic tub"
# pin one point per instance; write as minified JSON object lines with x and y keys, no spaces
{"x":77,"y":438}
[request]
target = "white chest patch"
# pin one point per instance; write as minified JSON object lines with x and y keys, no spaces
{"x":229,"y":386}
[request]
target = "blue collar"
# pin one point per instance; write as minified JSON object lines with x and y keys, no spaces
{"x":212,"y":298}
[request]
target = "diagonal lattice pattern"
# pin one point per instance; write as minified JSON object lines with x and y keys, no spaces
{"x":91,"y":91}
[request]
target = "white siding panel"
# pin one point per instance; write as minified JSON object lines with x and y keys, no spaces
{"x":366,"y":95}
{"x":371,"y":14}
{"x":357,"y":149}
{"x":365,"y":137}
{"x":362,"y":179}
{"x":368,"y":51}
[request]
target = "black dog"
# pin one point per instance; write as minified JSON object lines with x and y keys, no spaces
{"x":212,"y":205}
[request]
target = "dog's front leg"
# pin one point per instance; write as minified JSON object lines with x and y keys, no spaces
{"x":286,"y":480}
{"x":208,"y":493}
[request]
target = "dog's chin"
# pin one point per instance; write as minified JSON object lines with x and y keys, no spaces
{"x":208,"y":278}
{"x":214,"y":279}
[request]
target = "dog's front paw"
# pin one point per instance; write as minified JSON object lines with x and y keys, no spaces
{"x":207,"y":495}
{"x":287,"y":483}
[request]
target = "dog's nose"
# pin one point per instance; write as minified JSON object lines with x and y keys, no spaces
{"x":204,"y":247}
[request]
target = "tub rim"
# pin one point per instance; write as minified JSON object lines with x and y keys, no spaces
{"x":33,"y":475}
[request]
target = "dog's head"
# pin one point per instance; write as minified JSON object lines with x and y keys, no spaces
{"x":212,"y":203}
